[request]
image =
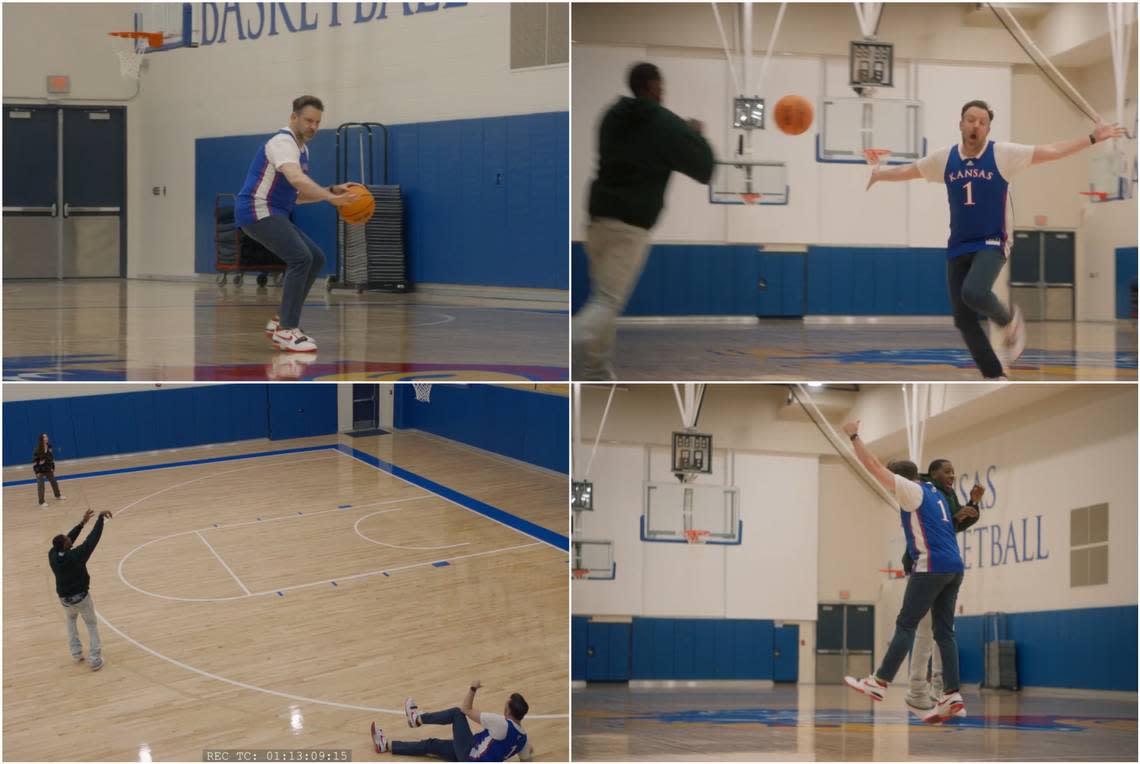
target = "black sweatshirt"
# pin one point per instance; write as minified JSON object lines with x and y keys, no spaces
{"x":640,"y":143}
{"x":43,"y":462}
{"x":70,"y":567}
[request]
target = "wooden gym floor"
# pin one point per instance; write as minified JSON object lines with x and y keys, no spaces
{"x":286,"y":601}
{"x":831,"y":723}
{"x":119,"y":329}
{"x":863,"y":350}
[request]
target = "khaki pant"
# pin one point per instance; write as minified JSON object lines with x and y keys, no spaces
{"x":921,"y":656}
{"x":617,"y":253}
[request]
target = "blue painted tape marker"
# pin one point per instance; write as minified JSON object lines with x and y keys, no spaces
{"x":440,"y":564}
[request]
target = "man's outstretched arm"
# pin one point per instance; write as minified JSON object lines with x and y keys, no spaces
{"x":1050,"y":152}
{"x":885,"y":477}
{"x":899,"y":172}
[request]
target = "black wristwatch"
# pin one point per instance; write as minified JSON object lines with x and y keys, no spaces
{"x":853,"y":437}
{"x":1092,"y":139}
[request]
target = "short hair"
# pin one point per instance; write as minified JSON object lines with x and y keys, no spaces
{"x":904,"y":468}
{"x":980,"y":105}
{"x":301,"y":102}
{"x":57,"y":542}
{"x":518,"y":706}
{"x":936,"y":465}
{"x":641,"y":75}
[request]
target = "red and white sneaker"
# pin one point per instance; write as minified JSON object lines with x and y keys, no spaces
{"x":412,"y":711}
{"x":379,"y":739}
{"x":869,"y":686}
{"x":271,"y":327}
{"x":1014,"y":337}
{"x":950,"y":705}
{"x":293,"y":341}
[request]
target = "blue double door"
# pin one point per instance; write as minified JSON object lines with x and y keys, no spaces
{"x":65,"y":189}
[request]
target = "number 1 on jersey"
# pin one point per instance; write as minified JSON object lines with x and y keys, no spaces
{"x":945,"y":519}
{"x":969,"y":194}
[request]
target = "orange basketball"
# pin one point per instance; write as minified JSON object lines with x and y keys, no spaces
{"x":793,"y":114}
{"x":360,"y":209}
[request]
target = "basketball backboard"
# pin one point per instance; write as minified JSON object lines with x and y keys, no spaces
{"x":849,"y":126}
{"x":749,"y":182}
{"x":596,"y":558}
{"x":174,"y":20}
{"x":671,"y":509}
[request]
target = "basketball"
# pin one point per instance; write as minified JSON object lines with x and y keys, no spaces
{"x":360,"y":209}
{"x":793,"y":114}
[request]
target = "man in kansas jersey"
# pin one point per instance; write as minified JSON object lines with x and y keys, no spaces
{"x":502,"y":736}
{"x":277,"y":180}
{"x":932,"y":585}
{"x":977,"y":173}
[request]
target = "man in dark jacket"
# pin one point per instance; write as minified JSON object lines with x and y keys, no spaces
{"x":72,"y":583}
{"x":640,"y":143}
{"x":922,"y":654}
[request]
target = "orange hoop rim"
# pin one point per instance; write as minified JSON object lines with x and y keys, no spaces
{"x":873,"y":155}
{"x":1100,"y":195}
{"x":750,"y":198}
{"x":153,"y":39}
{"x":580,"y":573}
{"x":696,"y":537}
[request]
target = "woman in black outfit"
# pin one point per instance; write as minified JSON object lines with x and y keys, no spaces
{"x":43,"y":464}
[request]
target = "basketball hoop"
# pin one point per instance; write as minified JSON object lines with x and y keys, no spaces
{"x":130,"y":53}
{"x":423,"y":391}
{"x":893,"y":572}
{"x":1095,"y":196}
{"x":696,"y":537}
{"x":750,"y":198}
{"x":579,"y":573}
{"x":876,"y":156}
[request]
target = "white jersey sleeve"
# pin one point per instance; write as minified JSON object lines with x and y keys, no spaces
{"x":933,"y":166}
{"x":1012,"y":158}
{"x":282,"y":149}
{"x":495,"y":724}
{"x":908,"y":493}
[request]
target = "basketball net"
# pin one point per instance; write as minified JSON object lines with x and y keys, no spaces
{"x":696,"y":537}
{"x":750,"y":198}
{"x":422,"y":391}
{"x":579,"y":573}
{"x":131,"y":48}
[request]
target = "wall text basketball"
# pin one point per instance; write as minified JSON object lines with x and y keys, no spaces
{"x":220,"y":22}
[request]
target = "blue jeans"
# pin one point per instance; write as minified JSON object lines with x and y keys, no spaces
{"x":970,"y":279}
{"x":938,"y":594}
{"x":456,"y":749}
{"x":303,"y":261}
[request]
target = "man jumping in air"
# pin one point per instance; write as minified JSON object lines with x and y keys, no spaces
{"x":932,"y":585}
{"x":502,"y":736}
{"x":977,"y":173}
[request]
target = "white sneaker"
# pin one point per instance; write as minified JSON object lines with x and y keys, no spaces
{"x":927,"y":714}
{"x":869,"y":686}
{"x":950,"y":705}
{"x":379,"y":739}
{"x":412,"y":711}
{"x":271,"y":327}
{"x":293,"y":341}
{"x":43,"y":503}
{"x":61,"y":498}
{"x":1014,"y":338}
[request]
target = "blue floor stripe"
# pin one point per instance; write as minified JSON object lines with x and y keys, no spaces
{"x":168,"y":465}
{"x":545,"y":535}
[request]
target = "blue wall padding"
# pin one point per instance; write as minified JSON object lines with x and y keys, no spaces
{"x":578,"y":648}
{"x":1125,"y":282}
{"x":702,"y":648}
{"x":486,"y":200}
{"x":298,"y":411}
{"x":708,"y":280}
{"x":724,"y":280}
{"x":1085,"y":648}
{"x":121,"y":423}
{"x":526,"y":425}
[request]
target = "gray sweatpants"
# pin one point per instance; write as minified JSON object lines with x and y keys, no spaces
{"x":617,"y":253}
{"x":86,"y":608}
{"x":921,"y":655}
